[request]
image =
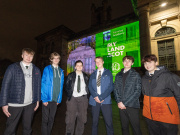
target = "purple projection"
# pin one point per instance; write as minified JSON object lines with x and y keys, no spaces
{"x":84,"y":53}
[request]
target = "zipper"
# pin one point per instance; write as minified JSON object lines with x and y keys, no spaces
{"x":52,"y":90}
{"x":60,"y":86}
{"x":150,"y":100}
{"x":169,"y":107}
{"x":150,"y":107}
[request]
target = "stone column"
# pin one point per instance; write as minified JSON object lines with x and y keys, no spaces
{"x":145,"y":42}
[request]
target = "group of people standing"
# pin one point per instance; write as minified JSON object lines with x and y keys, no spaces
{"x":23,"y":89}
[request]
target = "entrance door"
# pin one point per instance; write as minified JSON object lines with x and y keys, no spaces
{"x":167,"y":54}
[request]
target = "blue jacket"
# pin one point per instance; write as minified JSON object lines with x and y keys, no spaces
{"x":130,"y":93}
{"x":13,"y":85}
{"x":47,"y":85}
{"x":106,"y":87}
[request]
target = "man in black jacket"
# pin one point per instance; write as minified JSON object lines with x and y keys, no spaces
{"x":20,"y":93}
{"x":77,"y":103}
{"x":161,"y":104}
{"x":127,"y":90}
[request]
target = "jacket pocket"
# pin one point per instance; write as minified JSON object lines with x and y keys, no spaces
{"x":169,"y":108}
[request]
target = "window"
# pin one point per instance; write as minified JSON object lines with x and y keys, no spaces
{"x":72,"y":65}
{"x":167,"y":54}
{"x":131,"y":32}
{"x":134,"y":54}
{"x":88,"y":65}
{"x":165,"y":31}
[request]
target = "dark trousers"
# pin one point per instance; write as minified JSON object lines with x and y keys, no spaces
{"x":160,"y":128}
{"x":107,"y":114}
{"x":130,"y":115}
{"x":27,"y":113}
{"x":76,"y":109}
{"x":48,"y":114}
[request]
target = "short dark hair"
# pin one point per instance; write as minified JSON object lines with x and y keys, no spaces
{"x":129,"y":58}
{"x":78,"y":61}
{"x":148,"y":58}
{"x":99,"y":57}
{"x":28,"y":50}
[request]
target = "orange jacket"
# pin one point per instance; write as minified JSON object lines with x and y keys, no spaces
{"x":163,"y":109}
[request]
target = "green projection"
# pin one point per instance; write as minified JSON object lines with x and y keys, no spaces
{"x":116,"y":43}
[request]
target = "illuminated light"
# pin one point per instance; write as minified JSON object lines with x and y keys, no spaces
{"x":116,"y":43}
{"x":163,"y":4}
{"x":112,"y":45}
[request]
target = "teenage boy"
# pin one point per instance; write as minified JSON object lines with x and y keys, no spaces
{"x":51,"y":92}
{"x":77,"y":100}
{"x":100,"y":87}
{"x":161,"y":90}
{"x":127,"y":90}
{"x":20,"y":93}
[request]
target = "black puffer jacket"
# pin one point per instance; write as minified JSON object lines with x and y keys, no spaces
{"x":132,"y":89}
{"x":70,"y":83}
{"x":13,"y":85}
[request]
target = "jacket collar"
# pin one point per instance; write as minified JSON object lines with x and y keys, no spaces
{"x":49,"y":66}
{"x":130,"y":71}
{"x":102,"y":73}
{"x":162,"y":69}
{"x":19,"y":66}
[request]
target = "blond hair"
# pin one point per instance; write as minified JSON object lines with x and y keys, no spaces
{"x":28,"y":50}
{"x":53,"y":55}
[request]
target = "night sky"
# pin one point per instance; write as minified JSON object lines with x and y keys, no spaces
{"x":22,"y":20}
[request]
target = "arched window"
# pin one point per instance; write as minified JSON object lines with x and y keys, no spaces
{"x":165,"y":31}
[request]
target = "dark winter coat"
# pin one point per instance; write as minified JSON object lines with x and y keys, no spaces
{"x":129,"y":96}
{"x":13,"y":85}
{"x":71,"y":81}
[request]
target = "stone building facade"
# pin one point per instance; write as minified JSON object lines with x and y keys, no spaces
{"x":55,"y":40}
{"x":160,"y":30}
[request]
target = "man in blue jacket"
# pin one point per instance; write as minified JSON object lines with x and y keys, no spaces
{"x":51,"y":92}
{"x":100,"y":88}
{"x":127,"y":90}
{"x":20,"y":93}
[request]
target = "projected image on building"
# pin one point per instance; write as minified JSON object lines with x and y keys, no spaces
{"x":112,"y":45}
{"x":82,"y":49}
{"x":116,"y":43}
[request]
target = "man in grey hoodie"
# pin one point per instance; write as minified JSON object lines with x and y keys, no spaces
{"x":20,"y":93}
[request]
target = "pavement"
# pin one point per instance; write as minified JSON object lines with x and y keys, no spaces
{"x":60,"y":126}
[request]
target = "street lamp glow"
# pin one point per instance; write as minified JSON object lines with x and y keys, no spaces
{"x":163,"y":4}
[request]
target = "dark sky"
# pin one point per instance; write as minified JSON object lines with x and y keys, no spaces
{"x":22,"y":20}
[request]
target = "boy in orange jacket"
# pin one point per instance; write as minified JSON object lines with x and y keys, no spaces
{"x":161,"y":90}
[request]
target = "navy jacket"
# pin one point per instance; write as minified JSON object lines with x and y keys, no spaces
{"x":129,"y":96}
{"x":13,"y":85}
{"x":106,"y":87}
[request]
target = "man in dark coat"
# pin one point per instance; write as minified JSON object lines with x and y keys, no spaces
{"x":127,"y":90}
{"x":161,"y":90}
{"x":21,"y":93}
{"x":77,"y":100}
